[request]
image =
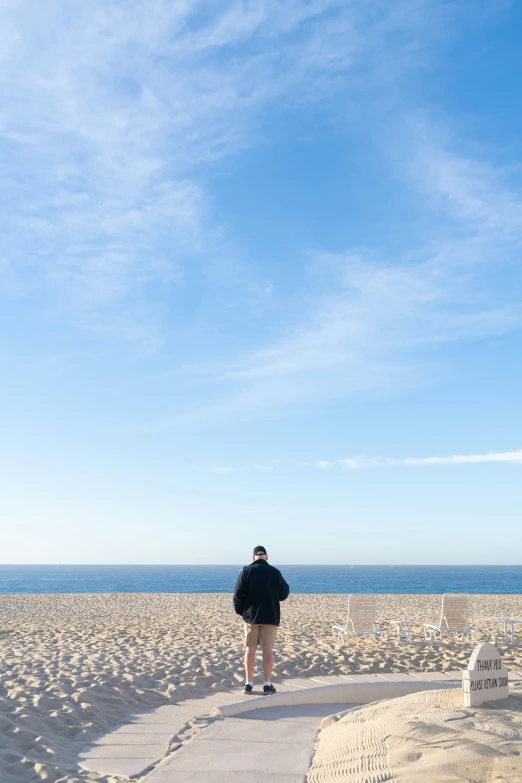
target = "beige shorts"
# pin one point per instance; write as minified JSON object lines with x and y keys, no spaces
{"x":260,"y":635}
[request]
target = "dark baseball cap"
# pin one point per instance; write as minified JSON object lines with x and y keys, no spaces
{"x":259,"y":550}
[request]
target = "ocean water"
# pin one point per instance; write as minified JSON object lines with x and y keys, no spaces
{"x":221,"y":579}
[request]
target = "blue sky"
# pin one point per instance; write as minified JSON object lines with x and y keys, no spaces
{"x":260,"y":281}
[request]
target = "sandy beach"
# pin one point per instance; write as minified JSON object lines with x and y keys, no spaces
{"x":425,"y":736}
{"x":74,"y":666}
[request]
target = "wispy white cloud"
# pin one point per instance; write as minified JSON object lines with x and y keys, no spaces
{"x":323,"y":465}
{"x":222,"y":469}
{"x":104,"y":148}
{"x":460,"y":459}
{"x":471,"y":191}
{"x":348,"y":463}
{"x":355,"y":463}
{"x":378,"y":325}
{"x":456,"y":459}
{"x":378,"y":331}
{"x":103,"y":141}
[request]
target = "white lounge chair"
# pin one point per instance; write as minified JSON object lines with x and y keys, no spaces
{"x":454,"y":619}
{"x":360,"y":620}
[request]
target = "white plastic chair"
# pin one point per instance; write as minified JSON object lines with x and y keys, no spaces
{"x":360,"y":620}
{"x":454,"y":619}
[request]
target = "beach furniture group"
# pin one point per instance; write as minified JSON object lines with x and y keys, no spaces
{"x":454,"y":621}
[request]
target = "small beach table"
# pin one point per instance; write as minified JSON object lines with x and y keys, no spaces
{"x":403,"y":627}
{"x":505,"y":622}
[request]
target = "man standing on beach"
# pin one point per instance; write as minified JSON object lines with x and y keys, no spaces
{"x":259,"y":589}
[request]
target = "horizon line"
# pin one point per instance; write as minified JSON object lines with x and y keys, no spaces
{"x":213,"y":565}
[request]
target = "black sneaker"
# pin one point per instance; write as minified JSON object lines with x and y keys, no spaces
{"x":268,"y":689}
{"x":247,"y":688}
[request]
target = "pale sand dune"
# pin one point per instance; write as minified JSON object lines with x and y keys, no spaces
{"x":426,"y":736}
{"x":73,"y":667}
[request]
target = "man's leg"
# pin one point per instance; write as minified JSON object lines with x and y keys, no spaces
{"x":250,"y":654}
{"x":251,"y":645}
{"x":268,"y":663}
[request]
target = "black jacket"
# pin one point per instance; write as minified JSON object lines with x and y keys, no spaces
{"x":259,"y":588}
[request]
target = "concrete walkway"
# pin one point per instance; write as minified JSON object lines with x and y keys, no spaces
{"x":144,"y":743}
{"x":273,"y":744}
{"x":133,"y":749}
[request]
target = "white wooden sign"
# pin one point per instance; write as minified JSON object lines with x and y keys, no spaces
{"x":486,"y":678}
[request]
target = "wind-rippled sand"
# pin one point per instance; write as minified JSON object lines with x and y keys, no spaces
{"x":426,"y":736}
{"x":74,"y":666}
